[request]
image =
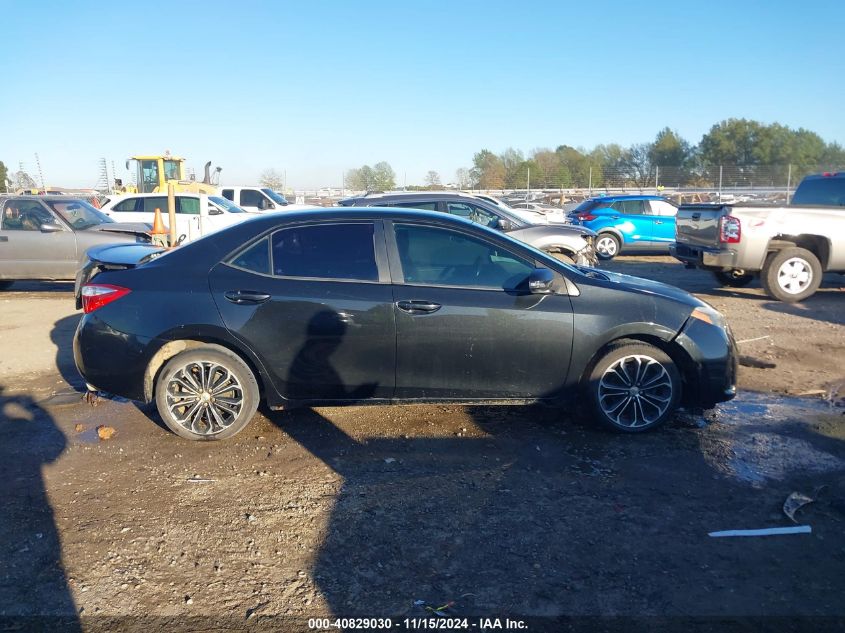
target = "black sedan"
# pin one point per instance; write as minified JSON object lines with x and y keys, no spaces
{"x":369,"y":305}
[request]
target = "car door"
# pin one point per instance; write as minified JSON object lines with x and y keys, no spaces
{"x":314,"y":302}
{"x":129,"y":210}
{"x":466,"y":325}
{"x":35,"y":243}
{"x":634,"y":222}
{"x":663,"y":221}
{"x":252,"y":200}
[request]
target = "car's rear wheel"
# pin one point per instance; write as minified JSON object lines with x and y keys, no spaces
{"x":607,"y":246}
{"x":206,"y":394}
{"x":5,"y":284}
{"x":791,"y":275}
{"x":734,"y":278}
{"x":634,"y":387}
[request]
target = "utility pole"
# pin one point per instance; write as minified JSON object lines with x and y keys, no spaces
{"x":528,"y":184}
{"x":657,"y":177}
{"x":720,"y":183}
{"x":591,"y":180}
{"x":788,"y":182}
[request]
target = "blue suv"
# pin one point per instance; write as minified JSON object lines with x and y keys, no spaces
{"x":627,"y":223}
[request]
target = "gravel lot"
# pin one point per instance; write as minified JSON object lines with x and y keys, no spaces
{"x":361,"y":511}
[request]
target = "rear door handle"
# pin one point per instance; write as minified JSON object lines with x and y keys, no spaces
{"x":246,"y":296}
{"x":658,"y":221}
{"x":614,"y":217}
{"x":696,"y":216}
{"x":418,"y":307}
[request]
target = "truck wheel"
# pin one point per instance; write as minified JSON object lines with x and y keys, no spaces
{"x":634,"y":387}
{"x":607,"y":246}
{"x":791,"y":275}
{"x":6,"y":283}
{"x":206,"y":394}
{"x":733,"y":278}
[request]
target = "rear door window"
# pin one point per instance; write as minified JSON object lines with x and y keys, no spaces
{"x":326,"y":251}
{"x":425,"y":206}
{"x":629,"y":207}
{"x":129,"y":205}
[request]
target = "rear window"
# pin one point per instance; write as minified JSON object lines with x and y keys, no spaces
{"x":328,"y":251}
{"x":823,"y":191}
{"x":587,"y":205}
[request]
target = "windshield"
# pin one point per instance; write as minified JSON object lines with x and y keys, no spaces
{"x":275,"y":197}
{"x":78,"y":213}
{"x":823,"y":191}
{"x":226,"y":205}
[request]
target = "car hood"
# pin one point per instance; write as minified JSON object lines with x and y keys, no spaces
{"x":131,"y":228}
{"x":644,"y":286}
{"x":535,"y":217}
{"x":536,"y":230}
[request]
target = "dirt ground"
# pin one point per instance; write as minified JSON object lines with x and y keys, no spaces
{"x":513,"y":512}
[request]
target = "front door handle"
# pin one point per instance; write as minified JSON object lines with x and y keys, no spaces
{"x":246,"y":297}
{"x":614,"y":217}
{"x":418,"y":307}
{"x":3,"y":238}
{"x":658,"y":221}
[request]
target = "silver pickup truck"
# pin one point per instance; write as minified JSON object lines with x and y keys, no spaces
{"x":790,"y":246}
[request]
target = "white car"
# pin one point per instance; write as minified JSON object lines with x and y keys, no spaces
{"x":196,"y":214}
{"x":259,"y":199}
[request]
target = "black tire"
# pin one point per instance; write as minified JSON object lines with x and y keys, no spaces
{"x":607,"y":246}
{"x":5,"y":284}
{"x":791,"y":275}
{"x":626,"y":407}
{"x":214,"y":420}
{"x":733,"y":278}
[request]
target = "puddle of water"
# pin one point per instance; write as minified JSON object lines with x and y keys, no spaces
{"x":761,"y":438}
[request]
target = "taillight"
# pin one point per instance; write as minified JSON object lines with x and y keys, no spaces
{"x":730,"y":229}
{"x":586,"y":217}
{"x":95,"y":296}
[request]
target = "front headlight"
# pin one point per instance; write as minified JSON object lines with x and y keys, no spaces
{"x":710,"y":315}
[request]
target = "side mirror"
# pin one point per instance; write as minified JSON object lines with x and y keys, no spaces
{"x":50,"y":227}
{"x":540,"y":281}
{"x":214,"y":211}
{"x":269,"y":205}
{"x":505,"y":225}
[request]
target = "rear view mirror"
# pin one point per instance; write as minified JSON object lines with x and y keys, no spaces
{"x":50,"y":227}
{"x":540,"y":281}
{"x":505,"y":225}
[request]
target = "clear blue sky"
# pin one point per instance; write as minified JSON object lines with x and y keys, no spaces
{"x":315,"y":88}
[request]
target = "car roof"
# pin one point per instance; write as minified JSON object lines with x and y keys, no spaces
{"x":430,"y":195}
{"x":158,"y":195}
{"x":358,"y":213}
{"x":629,"y":197}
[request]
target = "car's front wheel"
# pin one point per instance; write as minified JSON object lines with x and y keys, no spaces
{"x":607,"y":246}
{"x":634,"y":387}
{"x":206,"y":394}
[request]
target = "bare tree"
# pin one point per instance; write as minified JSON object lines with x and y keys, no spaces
{"x":463,"y":178}
{"x":432,"y":179}
{"x":272,"y":179}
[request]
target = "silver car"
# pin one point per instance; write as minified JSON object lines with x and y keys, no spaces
{"x":572,"y":244}
{"x":45,"y":237}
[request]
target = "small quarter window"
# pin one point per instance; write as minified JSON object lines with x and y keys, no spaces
{"x":256,"y":258}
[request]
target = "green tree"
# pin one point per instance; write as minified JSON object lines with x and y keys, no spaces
{"x":3,"y":176}
{"x":488,"y":171}
{"x":432,"y":180}
{"x":384,"y":178}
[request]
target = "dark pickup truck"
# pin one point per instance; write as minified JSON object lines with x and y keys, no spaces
{"x":789,"y":246}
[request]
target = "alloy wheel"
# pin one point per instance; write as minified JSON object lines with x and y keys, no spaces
{"x":204,"y":397}
{"x":635,"y":391}
{"x":794,"y":275}
{"x":606,"y":246}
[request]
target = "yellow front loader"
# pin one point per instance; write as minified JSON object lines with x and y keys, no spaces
{"x":154,"y":172}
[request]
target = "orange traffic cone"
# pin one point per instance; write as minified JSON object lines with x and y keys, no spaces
{"x":158,"y":234}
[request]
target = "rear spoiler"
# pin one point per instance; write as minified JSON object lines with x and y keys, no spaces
{"x":112,"y":257}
